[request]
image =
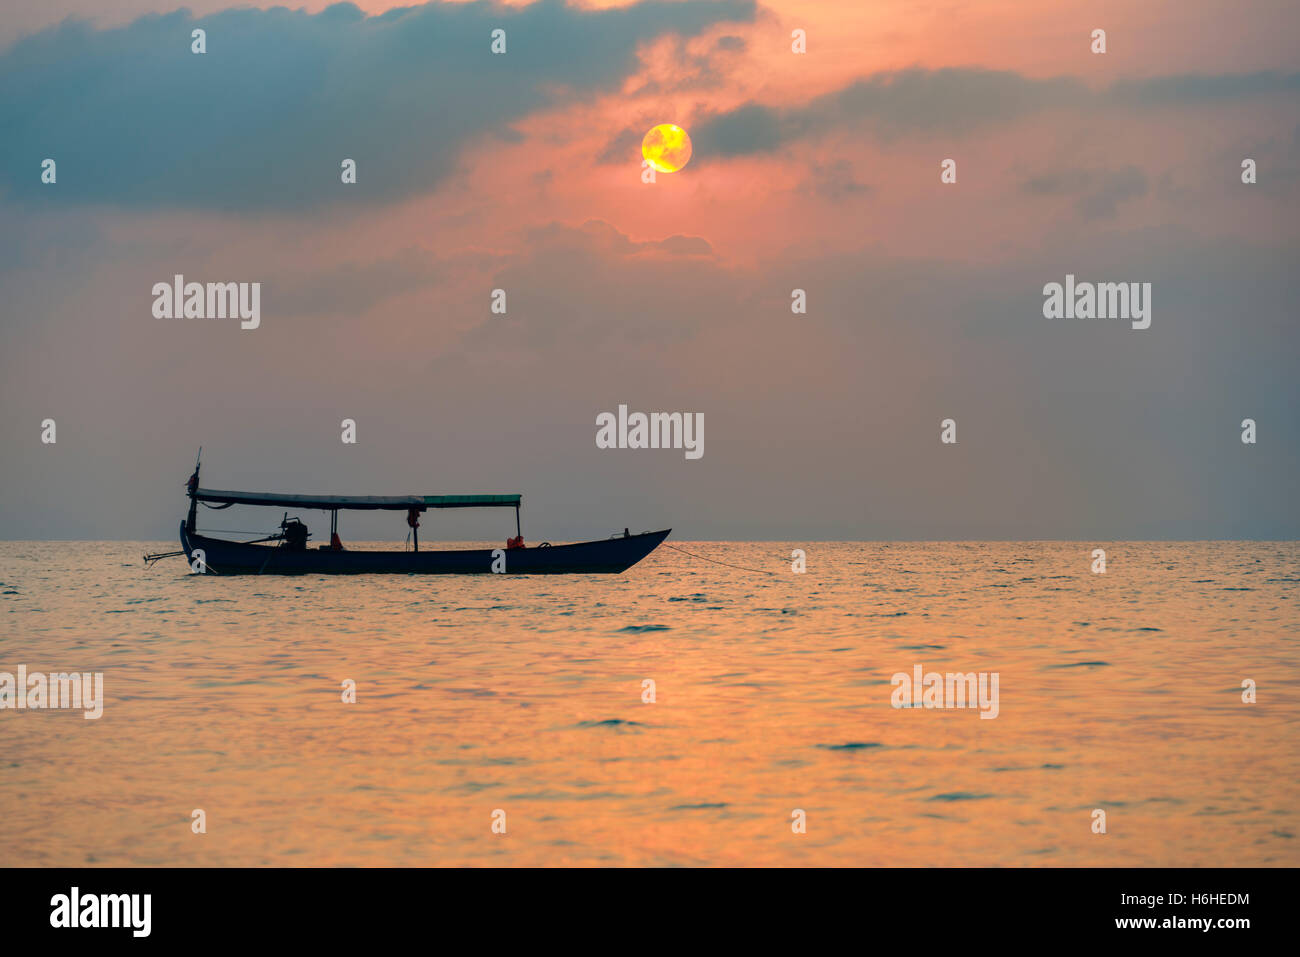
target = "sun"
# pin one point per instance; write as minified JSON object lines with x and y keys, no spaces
{"x":666,"y":147}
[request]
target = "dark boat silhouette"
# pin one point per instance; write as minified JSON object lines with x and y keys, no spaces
{"x":289,"y":552}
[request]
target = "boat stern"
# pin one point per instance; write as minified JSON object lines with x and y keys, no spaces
{"x":187,"y":546}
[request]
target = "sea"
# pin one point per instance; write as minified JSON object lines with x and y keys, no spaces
{"x":712,"y":706}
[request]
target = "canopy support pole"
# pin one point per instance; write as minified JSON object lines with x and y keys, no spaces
{"x":517,"y":531}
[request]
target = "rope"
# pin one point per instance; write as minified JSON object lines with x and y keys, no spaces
{"x":716,"y":562}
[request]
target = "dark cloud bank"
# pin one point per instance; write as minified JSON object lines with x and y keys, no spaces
{"x":957,"y":100}
{"x":265,"y":117}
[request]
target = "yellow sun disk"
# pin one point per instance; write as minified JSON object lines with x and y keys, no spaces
{"x":666,"y":147}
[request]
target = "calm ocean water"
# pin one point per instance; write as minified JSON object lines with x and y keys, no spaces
{"x":1119,"y":691}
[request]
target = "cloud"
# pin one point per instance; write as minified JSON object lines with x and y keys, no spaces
{"x":1201,"y":88}
{"x":1098,"y":192}
{"x":596,"y":236}
{"x":681,"y":66}
{"x":264,"y":119}
{"x":353,"y":288}
{"x":623,"y":148}
{"x":834,"y":181}
{"x":953,"y":101}
{"x":893,"y":103}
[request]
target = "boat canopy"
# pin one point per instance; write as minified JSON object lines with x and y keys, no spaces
{"x":329,"y":502}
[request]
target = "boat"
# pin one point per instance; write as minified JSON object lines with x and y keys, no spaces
{"x":288,"y":552}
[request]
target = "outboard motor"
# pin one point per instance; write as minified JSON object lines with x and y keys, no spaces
{"x":295,"y":534}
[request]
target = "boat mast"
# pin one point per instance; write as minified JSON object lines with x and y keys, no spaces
{"x":193,"y":487}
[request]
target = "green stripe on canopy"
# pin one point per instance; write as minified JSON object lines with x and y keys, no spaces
{"x":470,"y":501}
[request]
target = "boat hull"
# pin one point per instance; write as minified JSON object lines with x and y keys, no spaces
{"x":610,"y":556}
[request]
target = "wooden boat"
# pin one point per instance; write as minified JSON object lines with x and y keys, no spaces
{"x":288,"y":552}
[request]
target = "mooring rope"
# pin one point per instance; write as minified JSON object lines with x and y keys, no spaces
{"x":761,"y":571}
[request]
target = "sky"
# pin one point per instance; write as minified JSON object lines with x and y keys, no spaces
{"x":521,"y":171}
